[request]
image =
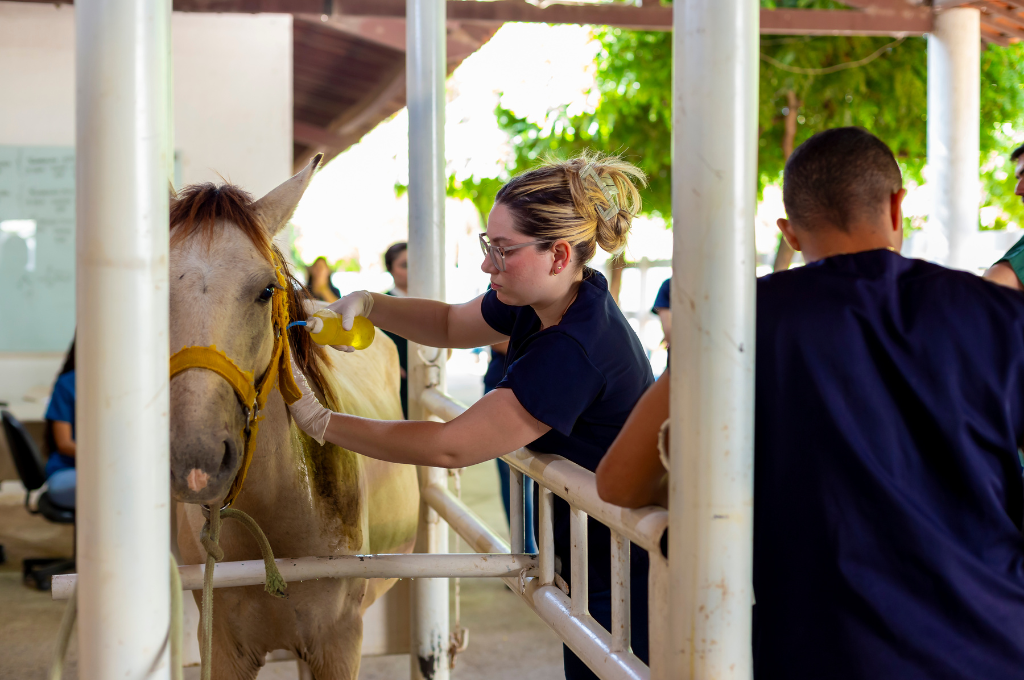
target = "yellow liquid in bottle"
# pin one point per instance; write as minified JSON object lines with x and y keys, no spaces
{"x":332,"y":333}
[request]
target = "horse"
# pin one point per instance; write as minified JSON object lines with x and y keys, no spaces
{"x":309,"y":499}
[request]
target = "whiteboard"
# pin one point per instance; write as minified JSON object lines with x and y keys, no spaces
{"x":37,"y":248}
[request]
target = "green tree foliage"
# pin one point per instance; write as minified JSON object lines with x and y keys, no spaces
{"x":876,"y":83}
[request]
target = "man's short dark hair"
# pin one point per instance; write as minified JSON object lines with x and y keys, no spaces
{"x":837,"y":177}
{"x":1017,"y":153}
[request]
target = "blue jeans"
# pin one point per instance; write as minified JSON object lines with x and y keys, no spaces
{"x":506,"y":498}
{"x":62,"y":488}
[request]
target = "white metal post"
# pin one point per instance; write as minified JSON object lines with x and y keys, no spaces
{"x":546,"y":536}
{"x":715,"y":45}
{"x":578,"y":562}
{"x":426,"y":68}
{"x":123,"y":151}
{"x":954,"y":123}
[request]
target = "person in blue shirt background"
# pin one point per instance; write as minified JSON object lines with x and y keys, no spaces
{"x":663,"y":308}
{"x":574,"y":368}
{"x":60,"y":436}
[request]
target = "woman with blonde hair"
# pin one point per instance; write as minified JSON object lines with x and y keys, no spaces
{"x":574,"y":368}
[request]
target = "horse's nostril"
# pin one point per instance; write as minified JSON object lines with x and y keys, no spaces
{"x":228,"y":462}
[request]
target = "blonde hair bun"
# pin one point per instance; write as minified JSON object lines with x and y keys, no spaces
{"x":589,"y":200}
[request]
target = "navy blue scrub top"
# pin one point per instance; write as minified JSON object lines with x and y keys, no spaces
{"x":888,"y":495}
{"x":582,"y":378}
{"x":597,"y":351}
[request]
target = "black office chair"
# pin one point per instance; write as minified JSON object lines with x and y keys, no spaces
{"x":32,"y":470}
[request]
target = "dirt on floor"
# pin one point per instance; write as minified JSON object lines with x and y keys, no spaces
{"x":506,"y":642}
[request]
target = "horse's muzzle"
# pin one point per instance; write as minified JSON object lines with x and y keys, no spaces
{"x":203,"y":468}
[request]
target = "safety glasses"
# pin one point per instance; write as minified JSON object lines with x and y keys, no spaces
{"x":497,"y":253}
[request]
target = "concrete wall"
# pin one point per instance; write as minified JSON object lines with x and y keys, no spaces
{"x":232,"y":115}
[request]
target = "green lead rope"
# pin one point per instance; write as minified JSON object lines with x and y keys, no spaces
{"x":210,"y":538}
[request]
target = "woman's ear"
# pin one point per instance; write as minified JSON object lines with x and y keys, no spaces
{"x":562,"y":252}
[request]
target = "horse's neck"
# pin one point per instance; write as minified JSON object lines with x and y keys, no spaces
{"x":274,"y":480}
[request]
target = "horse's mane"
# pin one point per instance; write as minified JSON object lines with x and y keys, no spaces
{"x":199,"y":208}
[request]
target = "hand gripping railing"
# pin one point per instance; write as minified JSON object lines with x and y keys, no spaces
{"x":606,"y":653}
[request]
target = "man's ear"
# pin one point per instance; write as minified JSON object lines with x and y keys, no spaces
{"x":896,"y":209}
{"x":276,"y":208}
{"x":789,"y":233}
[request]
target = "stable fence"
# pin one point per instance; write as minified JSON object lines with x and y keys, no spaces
{"x":532,"y":577}
{"x":606,"y":653}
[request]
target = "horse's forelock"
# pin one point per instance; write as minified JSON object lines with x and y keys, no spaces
{"x":199,"y":208}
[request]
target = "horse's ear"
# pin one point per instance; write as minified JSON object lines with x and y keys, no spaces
{"x":276,"y":208}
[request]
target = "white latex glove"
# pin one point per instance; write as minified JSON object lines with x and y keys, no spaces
{"x":311,"y":417}
{"x":348,"y":308}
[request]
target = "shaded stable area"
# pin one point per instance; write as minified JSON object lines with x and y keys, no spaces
{"x":500,"y":626}
{"x":123,"y":603}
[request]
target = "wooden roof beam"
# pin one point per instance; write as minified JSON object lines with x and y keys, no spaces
{"x":873,"y":17}
{"x":997,"y":11}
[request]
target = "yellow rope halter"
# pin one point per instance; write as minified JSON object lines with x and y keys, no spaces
{"x":253,"y":396}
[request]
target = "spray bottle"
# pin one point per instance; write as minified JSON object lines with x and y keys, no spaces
{"x":325,"y":329}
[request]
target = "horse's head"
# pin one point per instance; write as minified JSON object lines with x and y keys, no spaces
{"x":223,"y":278}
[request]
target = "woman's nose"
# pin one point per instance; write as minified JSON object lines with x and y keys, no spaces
{"x":487,"y":267}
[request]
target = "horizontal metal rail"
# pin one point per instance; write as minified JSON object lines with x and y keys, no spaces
{"x":607,"y":653}
{"x":420,"y":565}
{"x":566,"y":479}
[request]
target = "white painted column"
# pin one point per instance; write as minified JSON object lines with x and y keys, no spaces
{"x":426,"y":68}
{"x":123,"y":157}
{"x":715,"y":45}
{"x":954,"y":122}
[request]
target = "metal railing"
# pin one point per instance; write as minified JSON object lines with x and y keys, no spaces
{"x":607,"y":653}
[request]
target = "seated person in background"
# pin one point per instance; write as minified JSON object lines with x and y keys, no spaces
{"x":1009,"y":270}
{"x":888,"y":414}
{"x":60,"y":435}
{"x":318,"y":281}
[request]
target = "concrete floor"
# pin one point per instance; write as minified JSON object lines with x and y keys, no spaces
{"x":507,"y":641}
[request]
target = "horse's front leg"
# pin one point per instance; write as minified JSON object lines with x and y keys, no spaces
{"x":233,"y":658}
{"x":335,"y":654}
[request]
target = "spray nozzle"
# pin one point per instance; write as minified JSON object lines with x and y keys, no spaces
{"x":313,"y":324}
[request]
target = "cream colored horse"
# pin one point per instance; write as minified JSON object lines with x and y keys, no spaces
{"x":309,"y":499}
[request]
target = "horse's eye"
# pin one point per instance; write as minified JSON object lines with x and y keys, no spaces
{"x":267,"y":293}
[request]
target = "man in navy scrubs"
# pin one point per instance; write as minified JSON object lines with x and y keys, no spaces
{"x":889,"y":411}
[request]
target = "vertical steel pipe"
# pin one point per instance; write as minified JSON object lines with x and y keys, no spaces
{"x":123,"y":156}
{"x":621,"y":593}
{"x":546,"y":540}
{"x":426,"y":68}
{"x":578,"y":568}
{"x":659,"y":635}
{"x":517,"y":511}
{"x":954,"y":124}
{"x":715,"y":103}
